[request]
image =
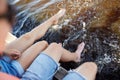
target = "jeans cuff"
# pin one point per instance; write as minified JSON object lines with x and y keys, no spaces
{"x":77,"y":73}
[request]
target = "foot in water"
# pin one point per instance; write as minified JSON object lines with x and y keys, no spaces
{"x":57,"y":16}
{"x":79,"y":51}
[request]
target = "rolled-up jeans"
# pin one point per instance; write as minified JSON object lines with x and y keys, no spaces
{"x":44,"y":68}
{"x":12,"y":67}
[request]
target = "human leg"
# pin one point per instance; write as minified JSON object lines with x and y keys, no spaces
{"x":48,"y":63}
{"x":65,"y":55}
{"x":75,"y":56}
{"x":26,"y":40}
{"x":86,"y":71}
{"x":31,"y":53}
{"x":45,"y":65}
{"x":17,"y":67}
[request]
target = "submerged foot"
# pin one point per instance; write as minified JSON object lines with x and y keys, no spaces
{"x":79,"y":51}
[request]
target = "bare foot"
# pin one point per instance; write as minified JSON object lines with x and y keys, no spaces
{"x":57,"y":16}
{"x":79,"y":51}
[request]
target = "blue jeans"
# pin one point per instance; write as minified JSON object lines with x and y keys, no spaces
{"x":12,"y":67}
{"x":72,"y":75}
{"x":44,"y":68}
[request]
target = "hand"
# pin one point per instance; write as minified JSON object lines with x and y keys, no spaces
{"x":13,"y":54}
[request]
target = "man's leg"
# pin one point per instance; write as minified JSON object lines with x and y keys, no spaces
{"x":26,"y":40}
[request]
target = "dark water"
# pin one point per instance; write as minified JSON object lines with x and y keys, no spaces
{"x":96,"y":22}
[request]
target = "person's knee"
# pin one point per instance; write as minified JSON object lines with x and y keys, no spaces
{"x":26,"y":36}
{"x":55,"y":46}
{"x":88,"y":66}
{"x":42,"y":43}
{"x":91,"y":66}
{"x":88,"y":70}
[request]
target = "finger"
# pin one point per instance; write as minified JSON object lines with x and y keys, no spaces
{"x":14,"y":57}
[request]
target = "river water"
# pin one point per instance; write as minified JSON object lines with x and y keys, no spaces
{"x":96,"y":22}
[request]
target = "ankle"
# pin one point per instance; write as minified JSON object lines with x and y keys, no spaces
{"x":76,"y":57}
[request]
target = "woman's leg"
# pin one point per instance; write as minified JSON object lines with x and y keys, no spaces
{"x":86,"y":71}
{"x":31,"y":53}
{"x":26,"y":40}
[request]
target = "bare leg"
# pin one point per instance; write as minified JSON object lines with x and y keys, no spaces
{"x":58,"y":53}
{"x":31,"y":53}
{"x":73,"y":56}
{"x":26,"y":40}
{"x":54,"y":50}
{"x":88,"y":70}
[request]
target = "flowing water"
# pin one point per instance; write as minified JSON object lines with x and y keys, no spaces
{"x":96,"y":22}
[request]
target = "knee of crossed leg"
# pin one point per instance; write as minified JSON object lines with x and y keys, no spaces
{"x":91,"y":65}
{"x":54,"y":48}
{"x":42,"y":43}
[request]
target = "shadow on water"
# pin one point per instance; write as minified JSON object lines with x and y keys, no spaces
{"x":95,"y":22}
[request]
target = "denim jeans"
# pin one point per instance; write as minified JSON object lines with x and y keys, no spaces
{"x":44,"y":68}
{"x":11,"y":67}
